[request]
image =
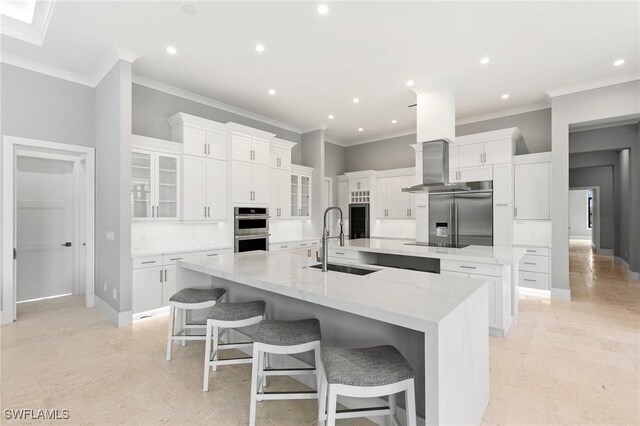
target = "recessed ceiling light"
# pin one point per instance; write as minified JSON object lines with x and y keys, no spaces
{"x":272,"y":92}
{"x":410,"y":83}
{"x":330,"y":116}
{"x":394,"y":121}
{"x":189,"y":9}
{"x":356,"y":100}
{"x":323,"y":9}
{"x":485,"y":60}
{"x":360,"y":129}
{"x":505,"y":96}
{"x":171,"y":50}
{"x":259,"y":47}
{"x":619,"y":62}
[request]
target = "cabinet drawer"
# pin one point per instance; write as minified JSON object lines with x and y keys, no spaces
{"x":343,"y":254}
{"x":537,"y":251}
{"x":534,"y":264}
{"x":470,"y":267}
{"x":283,"y":246}
{"x":533,"y":280}
{"x":147,"y":262}
{"x":171,"y":259}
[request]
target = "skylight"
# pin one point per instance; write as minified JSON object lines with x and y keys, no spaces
{"x":20,"y":10}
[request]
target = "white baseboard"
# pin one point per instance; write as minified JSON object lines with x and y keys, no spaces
{"x":119,"y":319}
{"x":561,"y":294}
{"x":580,"y":237}
{"x":287,"y":361}
{"x":149,"y":314}
{"x":6,"y":320}
{"x":632,"y":275}
{"x":608,"y":252}
{"x":534,"y":292}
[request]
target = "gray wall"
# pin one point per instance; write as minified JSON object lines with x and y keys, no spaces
{"x":113,"y":176}
{"x":151,"y":108}
{"x":38,"y":106}
{"x":623,"y":243}
{"x":396,"y":153}
{"x":313,"y":147}
{"x":335,"y":163}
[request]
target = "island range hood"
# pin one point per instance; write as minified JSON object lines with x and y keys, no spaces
{"x":436,"y":127}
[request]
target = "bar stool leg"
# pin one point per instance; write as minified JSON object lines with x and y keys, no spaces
{"x":183,"y":317}
{"x":265,"y":365}
{"x":332,"y":406}
{"x":394,"y":410}
{"x":261,"y":376}
{"x":172,"y":317}
{"x":207,"y":357}
{"x":322,"y":399}
{"x":254,"y":385}
{"x":216,"y":349}
{"x":410,"y":403}
{"x":316,"y":352}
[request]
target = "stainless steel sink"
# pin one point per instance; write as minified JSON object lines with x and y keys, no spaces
{"x":346,"y":269}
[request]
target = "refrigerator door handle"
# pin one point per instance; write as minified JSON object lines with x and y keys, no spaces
{"x":455,"y":212}
{"x":451,"y":222}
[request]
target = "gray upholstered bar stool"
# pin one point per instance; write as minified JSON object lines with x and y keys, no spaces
{"x":365,"y":373}
{"x":283,"y":337}
{"x":185,"y":300}
{"x":227,"y":315}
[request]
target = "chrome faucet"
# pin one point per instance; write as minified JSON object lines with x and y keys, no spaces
{"x":326,"y":237}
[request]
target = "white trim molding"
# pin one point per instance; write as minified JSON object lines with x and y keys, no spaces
{"x":119,"y":319}
{"x":526,"y":291}
{"x":561,"y":294}
{"x":35,"y":32}
{"x":165,"y":88}
{"x":611,"y":81}
{"x":503,"y":113}
{"x":383,"y":137}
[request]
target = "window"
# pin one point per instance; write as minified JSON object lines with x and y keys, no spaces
{"x":590,"y":208}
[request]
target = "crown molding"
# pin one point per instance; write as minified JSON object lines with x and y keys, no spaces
{"x":171,"y":90}
{"x":503,"y":113}
{"x":611,"y":81}
{"x":16,"y":61}
{"x":382,"y":137}
{"x":603,"y":125}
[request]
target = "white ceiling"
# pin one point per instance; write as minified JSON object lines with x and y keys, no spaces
{"x":318,"y":63}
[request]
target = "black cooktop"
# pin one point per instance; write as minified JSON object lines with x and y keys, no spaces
{"x":443,"y":245}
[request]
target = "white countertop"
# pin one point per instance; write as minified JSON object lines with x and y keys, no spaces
{"x":175,"y":250}
{"x":503,"y":255}
{"x":300,"y":240}
{"x":406,"y":298}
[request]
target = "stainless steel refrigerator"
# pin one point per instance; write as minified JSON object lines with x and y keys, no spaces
{"x":461,"y":218}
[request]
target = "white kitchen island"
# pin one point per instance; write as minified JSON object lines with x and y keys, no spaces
{"x":439,"y":323}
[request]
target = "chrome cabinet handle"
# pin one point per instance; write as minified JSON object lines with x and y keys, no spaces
{"x":501,"y":205}
{"x":165,"y":275}
{"x":515,"y":212}
{"x":340,"y":252}
{"x":531,"y":251}
{"x":467,"y":267}
{"x":209,"y":149}
{"x":208,"y":211}
{"x":529,"y":263}
{"x":148,"y":261}
{"x":531,"y":281}
{"x":212,"y":254}
{"x":160,"y":275}
{"x":205,"y":149}
{"x":177,"y":258}
{"x":205,"y":211}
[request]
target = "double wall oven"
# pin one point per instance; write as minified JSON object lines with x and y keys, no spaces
{"x":251,"y":230}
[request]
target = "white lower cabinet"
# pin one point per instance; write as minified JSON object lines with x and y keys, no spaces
{"x":147,"y":289}
{"x":534,"y":268}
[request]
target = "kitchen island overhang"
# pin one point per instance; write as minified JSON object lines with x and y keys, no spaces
{"x":439,"y":323}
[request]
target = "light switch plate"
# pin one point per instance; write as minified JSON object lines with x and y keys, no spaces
{"x":114,"y":294}
{"x":111,"y":235}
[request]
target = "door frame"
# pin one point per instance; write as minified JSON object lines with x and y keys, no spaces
{"x":595,"y":230}
{"x":44,"y":149}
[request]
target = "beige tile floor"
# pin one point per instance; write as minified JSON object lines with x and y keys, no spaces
{"x":564,"y":363}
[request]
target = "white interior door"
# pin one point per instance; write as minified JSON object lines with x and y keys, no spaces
{"x":45,"y":227}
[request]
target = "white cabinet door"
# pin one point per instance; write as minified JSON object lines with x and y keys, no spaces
{"x":261,"y":152}
{"x":142,"y":185}
{"x":470,"y":155}
{"x":343,"y":198}
{"x":194,"y":188}
{"x":147,"y":289}
{"x":170,"y":283}
{"x":274,"y":201}
{"x":474,"y":174}
{"x":241,"y":191}
{"x":217,"y":145}
{"x":241,"y":148}
{"x":453,"y":176}
{"x":454,"y":152}
{"x":167,"y":186}
{"x":216,"y":189}
{"x":194,"y":141}
{"x":274,"y":157}
{"x":381,"y":197}
{"x":502,"y":225}
{"x":497,"y":152}
{"x":532,"y":191}
{"x":280,"y":158}
{"x":403,"y":199}
{"x":305,"y":196}
{"x":260,"y":183}
{"x":284,"y":198}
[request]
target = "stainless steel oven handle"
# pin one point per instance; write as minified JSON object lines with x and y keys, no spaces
{"x":252,"y":237}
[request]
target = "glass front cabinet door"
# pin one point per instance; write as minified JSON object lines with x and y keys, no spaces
{"x":300,"y":195}
{"x":155,"y":190}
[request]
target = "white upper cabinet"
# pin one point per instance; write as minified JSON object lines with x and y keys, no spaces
{"x":343,"y":196}
{"x":281,"y":154}
{"x":250,"y":150}
{"x":261,"y":152}
{"x":279,"y":194}
{"x":391,"y":202}
{"x":155,"y":183}
{"x":470,"y":155}
{"x":205,"y":194}
{"x":300,"y":191}
{"x":498,"y":152}
{"x":199,"y":137}
{"x":242,"y":190}
{"x":532,"y":191}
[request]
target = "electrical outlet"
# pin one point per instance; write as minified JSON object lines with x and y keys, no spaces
{"x":111,"y":235}
{"x":114,"y":294}
{"x":105,"y":287}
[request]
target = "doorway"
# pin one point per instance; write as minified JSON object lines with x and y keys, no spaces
{"x":47,"y":222}
{"x":581,"y":214}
